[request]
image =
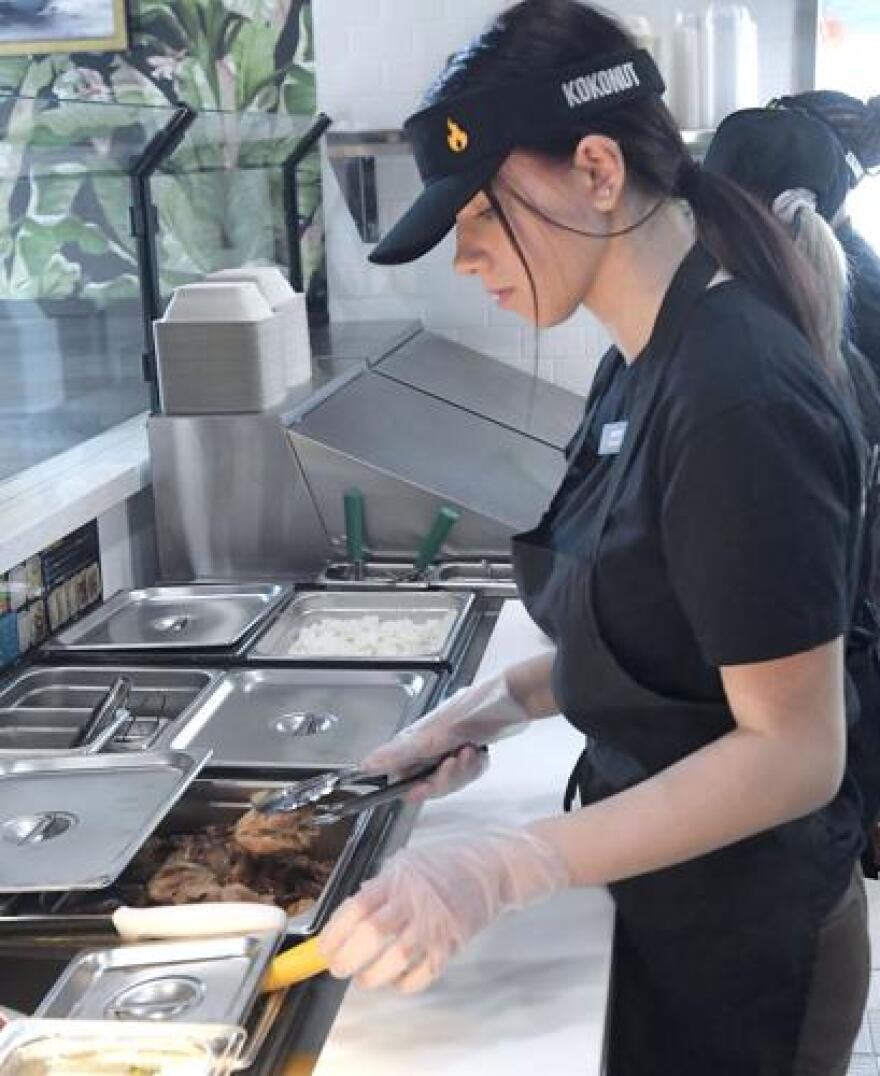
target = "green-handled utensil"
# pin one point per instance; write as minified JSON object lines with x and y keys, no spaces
{"x":445,"y":520}
{"x":354,"y":530}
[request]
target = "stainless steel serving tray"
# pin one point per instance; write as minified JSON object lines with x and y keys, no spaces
{"x":198,"y":617}
{"x":206,"y":980}
{"x":277,"y":642}
{"x":43,"y":708}
{"x":297,"y":717}
{"x":76,"y":823}
{"x":43,"y":919}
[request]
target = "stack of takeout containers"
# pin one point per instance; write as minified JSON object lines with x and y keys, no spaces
{"x":234,"y":342}
{"x":289,"y":308}
{"x":218,"y":349}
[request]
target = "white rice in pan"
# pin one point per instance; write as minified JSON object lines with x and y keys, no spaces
{"x":371,"y":636}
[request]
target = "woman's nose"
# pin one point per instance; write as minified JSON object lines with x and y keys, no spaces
{"x":467,"y":258}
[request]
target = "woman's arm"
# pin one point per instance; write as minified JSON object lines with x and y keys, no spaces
{"x":784,"y":759}
{"x":529,"y":683}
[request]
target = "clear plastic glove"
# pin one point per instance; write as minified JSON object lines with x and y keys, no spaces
{"x":480,"y":714}
{"x":404,"y":926}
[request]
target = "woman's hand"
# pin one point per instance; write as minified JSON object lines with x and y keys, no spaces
{"x":404,"y":926}
{"x":476,"y":715}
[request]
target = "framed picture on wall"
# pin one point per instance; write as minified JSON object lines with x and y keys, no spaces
{"x":32,"y":27}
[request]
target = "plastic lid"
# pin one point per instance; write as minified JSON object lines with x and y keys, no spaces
{"x":118,"y":1048}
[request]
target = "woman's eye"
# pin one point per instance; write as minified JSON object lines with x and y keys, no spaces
{"x":486,"y":214}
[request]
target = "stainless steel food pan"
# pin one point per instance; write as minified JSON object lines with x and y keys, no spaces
{"x":488,"y":576}
{"x":42,"y":709}
{"x":44,"y":919}
{"x":374,"y":575}
{"x":201,"y":616}
{"x":280,"y":641}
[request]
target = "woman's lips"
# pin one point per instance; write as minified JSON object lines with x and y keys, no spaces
{"x":502,"y":296}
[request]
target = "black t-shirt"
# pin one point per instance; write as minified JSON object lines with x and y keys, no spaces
{"x":733,"y":536}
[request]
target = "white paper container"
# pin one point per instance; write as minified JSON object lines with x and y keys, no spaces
{"x":290,"y":306}
{"x":218,"y":300}
{"x":268,"y":278}
{"x":220,"y":367}
{"x":295,"y":342}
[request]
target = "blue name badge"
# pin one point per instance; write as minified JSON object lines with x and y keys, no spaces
{"x":611,"y":438}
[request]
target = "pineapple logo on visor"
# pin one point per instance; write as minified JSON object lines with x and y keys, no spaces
{"x":457,"y":139}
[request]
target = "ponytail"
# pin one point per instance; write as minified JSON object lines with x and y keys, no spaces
{"x":815,"y":239}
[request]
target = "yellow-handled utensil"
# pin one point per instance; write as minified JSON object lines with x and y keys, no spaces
{"x":299,"y":963}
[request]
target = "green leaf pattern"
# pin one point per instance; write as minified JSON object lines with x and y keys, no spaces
{"x":66,"y":233}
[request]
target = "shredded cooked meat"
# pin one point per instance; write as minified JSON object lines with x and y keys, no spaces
{"x":261,"y":859}
{"x":269,"y":834}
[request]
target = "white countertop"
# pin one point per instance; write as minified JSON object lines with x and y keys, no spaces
{"x":53,"y":498}
{"x":530,"y":991}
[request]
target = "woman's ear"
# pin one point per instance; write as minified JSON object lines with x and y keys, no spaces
{"x":600,"y":163}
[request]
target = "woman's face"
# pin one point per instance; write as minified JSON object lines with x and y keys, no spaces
{"x":563,"y":264}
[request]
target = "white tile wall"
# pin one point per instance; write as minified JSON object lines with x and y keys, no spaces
{"x":374,"y":58}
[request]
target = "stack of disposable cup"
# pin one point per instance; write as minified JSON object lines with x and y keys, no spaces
{"x":731,"y":59}
{"x":290,"y":308}
{"x":688,"y":98}
{"x":219,"y":350}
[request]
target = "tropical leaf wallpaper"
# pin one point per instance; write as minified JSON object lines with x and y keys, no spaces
{"x":66,"y":234}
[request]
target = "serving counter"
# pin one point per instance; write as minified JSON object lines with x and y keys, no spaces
{"x":559,"y":967}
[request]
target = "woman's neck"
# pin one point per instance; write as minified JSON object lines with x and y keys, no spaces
{"x":635,"y":272}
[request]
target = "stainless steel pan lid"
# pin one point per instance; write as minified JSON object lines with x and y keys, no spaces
{"x":172,"y":618}
{"x":75,"y":823}
{"x":312,"y":718}
{"x":210,"y":981}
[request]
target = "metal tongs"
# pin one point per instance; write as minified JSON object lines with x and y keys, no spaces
{"x":107,"y":718}
{"x":310,"y":792}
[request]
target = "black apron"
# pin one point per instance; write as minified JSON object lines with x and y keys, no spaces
{"x":713,"y":958}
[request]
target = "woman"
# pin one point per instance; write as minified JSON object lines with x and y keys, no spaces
{"x":855,"y":127}
{"x":694,"y":571}
{"x":802,"y":171}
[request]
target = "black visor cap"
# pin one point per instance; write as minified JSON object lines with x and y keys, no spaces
{"x":460,"y":143}
{"x":432,"y":216}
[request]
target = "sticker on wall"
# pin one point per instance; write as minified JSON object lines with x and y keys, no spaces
{"x":48,"y":590}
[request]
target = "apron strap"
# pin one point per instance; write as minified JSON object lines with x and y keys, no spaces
{"x":572,"y":787}
{"x":689,"y":283}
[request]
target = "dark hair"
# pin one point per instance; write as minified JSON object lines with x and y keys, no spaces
{"x":856,"y":124}
{"x":537,"y":36}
